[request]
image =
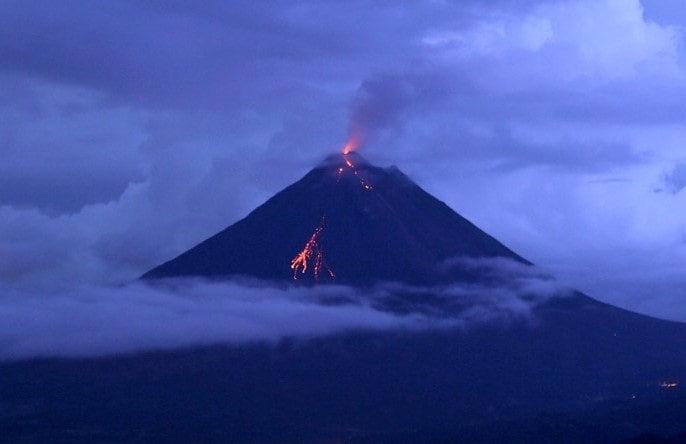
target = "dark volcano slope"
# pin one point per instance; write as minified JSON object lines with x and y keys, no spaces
{"x":577,"y":374}
{"x":394,"y":231}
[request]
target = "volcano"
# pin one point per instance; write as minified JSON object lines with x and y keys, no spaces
{"x":572,"y":370}
{"x":346,"y":221}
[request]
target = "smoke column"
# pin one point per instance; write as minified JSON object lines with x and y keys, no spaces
{"x":381,"y":104}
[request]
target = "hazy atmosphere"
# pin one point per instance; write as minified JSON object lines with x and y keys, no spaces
{"x":130,"y":131}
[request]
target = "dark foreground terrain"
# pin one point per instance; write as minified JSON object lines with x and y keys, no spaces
{"x":581,"y":372}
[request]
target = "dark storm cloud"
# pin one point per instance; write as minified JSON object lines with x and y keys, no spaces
{"x":219,"y":55}
{"x":55,"y":191}
{"x":212,"y":55}
{"x":64,"y":148}
{"x":156,"y":57}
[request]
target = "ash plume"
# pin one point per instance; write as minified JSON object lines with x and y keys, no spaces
{"x":381,"y":104}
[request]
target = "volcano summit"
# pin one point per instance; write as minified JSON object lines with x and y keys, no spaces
{"x":346,"y":221}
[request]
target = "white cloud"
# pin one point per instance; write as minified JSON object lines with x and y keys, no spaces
{"x":612,"y":38}
{"x":91,"y":320}
{"x":492,"y":37}
{"x":565,"y":40}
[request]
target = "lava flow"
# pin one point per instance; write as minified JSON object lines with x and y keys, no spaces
{"x":312,"y":253}
{"x":349,"y":147}
{"x":365,"y":184}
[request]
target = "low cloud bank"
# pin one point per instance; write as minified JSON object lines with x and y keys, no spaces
{"x":95,"y":321}
{"x":91,"y":321}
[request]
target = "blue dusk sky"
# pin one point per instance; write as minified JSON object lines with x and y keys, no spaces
{"x":132,"y":130}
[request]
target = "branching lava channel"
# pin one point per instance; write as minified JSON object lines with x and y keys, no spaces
{"x":312,"y":256}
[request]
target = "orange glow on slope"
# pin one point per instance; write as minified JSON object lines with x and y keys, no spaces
{"x":366,"y":185}
{"x":669,"y":384}
{"x":312,"y":253}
